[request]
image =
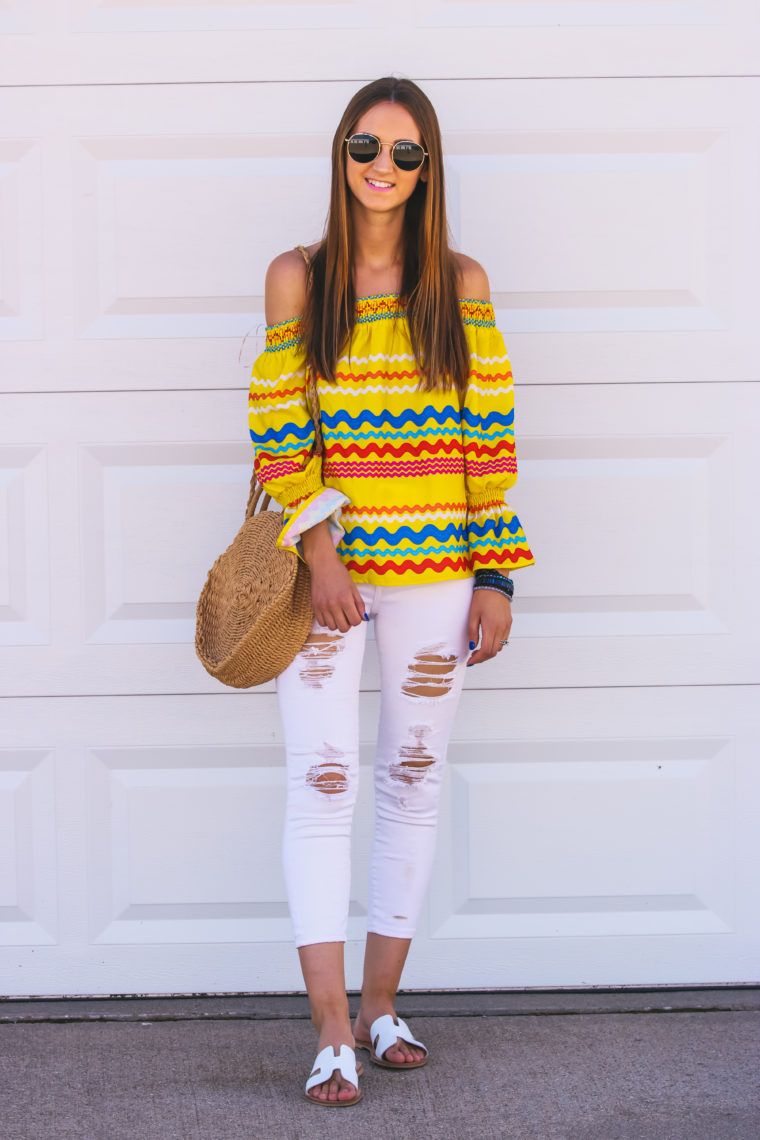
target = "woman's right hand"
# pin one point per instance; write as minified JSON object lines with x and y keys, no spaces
{"x":335,"y":599}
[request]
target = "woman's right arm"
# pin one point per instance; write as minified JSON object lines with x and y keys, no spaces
{"x":283,"y":435}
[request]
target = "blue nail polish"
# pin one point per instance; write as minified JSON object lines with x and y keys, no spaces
{"x":366,"y":616}
{"x":472,"y":645}
{"x":469,"y":665}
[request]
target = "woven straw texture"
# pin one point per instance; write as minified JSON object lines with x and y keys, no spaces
{"x":254,"y":613}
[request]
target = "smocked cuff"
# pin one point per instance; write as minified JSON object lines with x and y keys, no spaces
{"x":325,"y":504}
{"x":485,"y":503}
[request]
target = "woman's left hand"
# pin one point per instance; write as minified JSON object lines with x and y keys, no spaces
{"x":489,"y":624}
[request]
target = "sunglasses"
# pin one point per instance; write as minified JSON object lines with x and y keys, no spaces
{"x":405,"y":155}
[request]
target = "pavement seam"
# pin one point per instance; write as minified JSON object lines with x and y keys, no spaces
{"x":155,"y":1019}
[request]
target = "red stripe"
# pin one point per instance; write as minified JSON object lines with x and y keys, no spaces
{"x":268,"y":469}
{"x":506,"y":556}
{"x":497,"y":448}
{"x":491,"y":377}
{"x":400,"y":450}
{"x":381,"y":374}
{"x":402,"y":567}
{"x":491,"y":467}
{"x":367,"y":469}
{"x":404,"y":510}
{"x":279,"y":394}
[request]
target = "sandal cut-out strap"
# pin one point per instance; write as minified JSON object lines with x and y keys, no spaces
{"x":326,"y":1063}
{"x":383,"y":1034}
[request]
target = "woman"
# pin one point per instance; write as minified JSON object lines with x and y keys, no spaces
{"x":402,"y":521}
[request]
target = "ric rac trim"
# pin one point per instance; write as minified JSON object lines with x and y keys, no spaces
{"x":380,"y":307}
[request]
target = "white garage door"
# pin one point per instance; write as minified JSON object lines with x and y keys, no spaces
{"x":596,"y":826}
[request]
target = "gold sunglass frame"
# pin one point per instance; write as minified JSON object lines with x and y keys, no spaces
{"x":380,"y":145}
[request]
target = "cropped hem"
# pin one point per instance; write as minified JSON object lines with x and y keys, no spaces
{"x":397,"y":930}
{"x":317,"y":941}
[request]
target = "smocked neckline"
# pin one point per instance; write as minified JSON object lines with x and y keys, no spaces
{"x":378,"y":307}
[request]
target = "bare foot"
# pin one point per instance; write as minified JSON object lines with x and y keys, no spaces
{"x":399,"y":1054}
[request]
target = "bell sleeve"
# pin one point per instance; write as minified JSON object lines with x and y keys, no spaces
{"x":282,"y":433}
{"x":495,"y":536}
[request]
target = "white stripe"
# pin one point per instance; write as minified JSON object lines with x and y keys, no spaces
{"x":389,"y":389}
{"x":376,"y":356}
{"x":490,"y":391}
{"x":267,"y":409}
{"x":489,"y":359}
{"x":284,"y":378}
{"x":350,"y":519}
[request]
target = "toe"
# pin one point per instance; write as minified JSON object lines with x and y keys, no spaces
{"x":398,"y":1053}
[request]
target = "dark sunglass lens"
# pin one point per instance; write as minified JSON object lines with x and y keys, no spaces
{"x":363,"y":148}
{"x":408,"y":155}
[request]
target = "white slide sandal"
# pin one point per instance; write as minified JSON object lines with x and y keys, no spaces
{"x":383,"y":1034}
{"x":325,"y":1065}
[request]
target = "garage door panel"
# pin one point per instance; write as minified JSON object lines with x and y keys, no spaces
{"x":606,"y":815}
{"x":634,"y":533}
{"x":173,"y":234}
{"x":21,"y":228}
{"x":145,"y":502}
{"x":595,"y":272}
{"x":317,"y":39}
{"x":186,"y":845}
{"x":24,"y":547}
{"x":588,"y":799}
{"x":28,"y":895}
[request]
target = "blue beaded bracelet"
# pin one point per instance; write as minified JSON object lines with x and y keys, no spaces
{"x":496,"y":589}
{"x":493,"y":580}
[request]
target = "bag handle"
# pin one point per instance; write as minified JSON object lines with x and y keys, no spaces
{"x":256,"y":492}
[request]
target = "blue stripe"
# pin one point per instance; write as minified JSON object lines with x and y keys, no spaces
{"x":359,"y":534}
{"x":437,"y":433}
{"x":387,"y":419}
{"x":494,"y":526}
{"x":484,"y":422}
{"x":361,"y":551}
{"x":303,"y":433}
{"x":498,"y":543}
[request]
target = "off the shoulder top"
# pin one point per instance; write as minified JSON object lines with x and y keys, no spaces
{"x":412,"y":482}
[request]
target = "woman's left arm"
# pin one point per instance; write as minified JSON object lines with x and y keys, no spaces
{"x":495,"y":536}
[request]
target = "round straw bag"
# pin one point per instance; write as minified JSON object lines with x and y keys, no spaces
{"x":254,"y":613}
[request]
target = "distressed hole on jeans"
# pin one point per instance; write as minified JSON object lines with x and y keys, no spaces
{"x":431,"y":674}
{"x":317,"y":658}
{"x":415,"y":759}
{"x":330,"y":777}
{"x":401,"y":917}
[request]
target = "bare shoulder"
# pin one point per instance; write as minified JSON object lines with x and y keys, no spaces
{"x":285,"y":287}
{"x":472,"y":279}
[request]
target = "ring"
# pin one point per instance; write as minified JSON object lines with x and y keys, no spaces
{"x":503,"y":643}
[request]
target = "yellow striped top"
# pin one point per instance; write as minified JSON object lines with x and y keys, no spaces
{"x":414,"y":480}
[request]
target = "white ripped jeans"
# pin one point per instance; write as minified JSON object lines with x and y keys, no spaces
{"x":421,"y":634}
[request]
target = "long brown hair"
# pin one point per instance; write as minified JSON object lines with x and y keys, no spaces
{"x":429,"y":276}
